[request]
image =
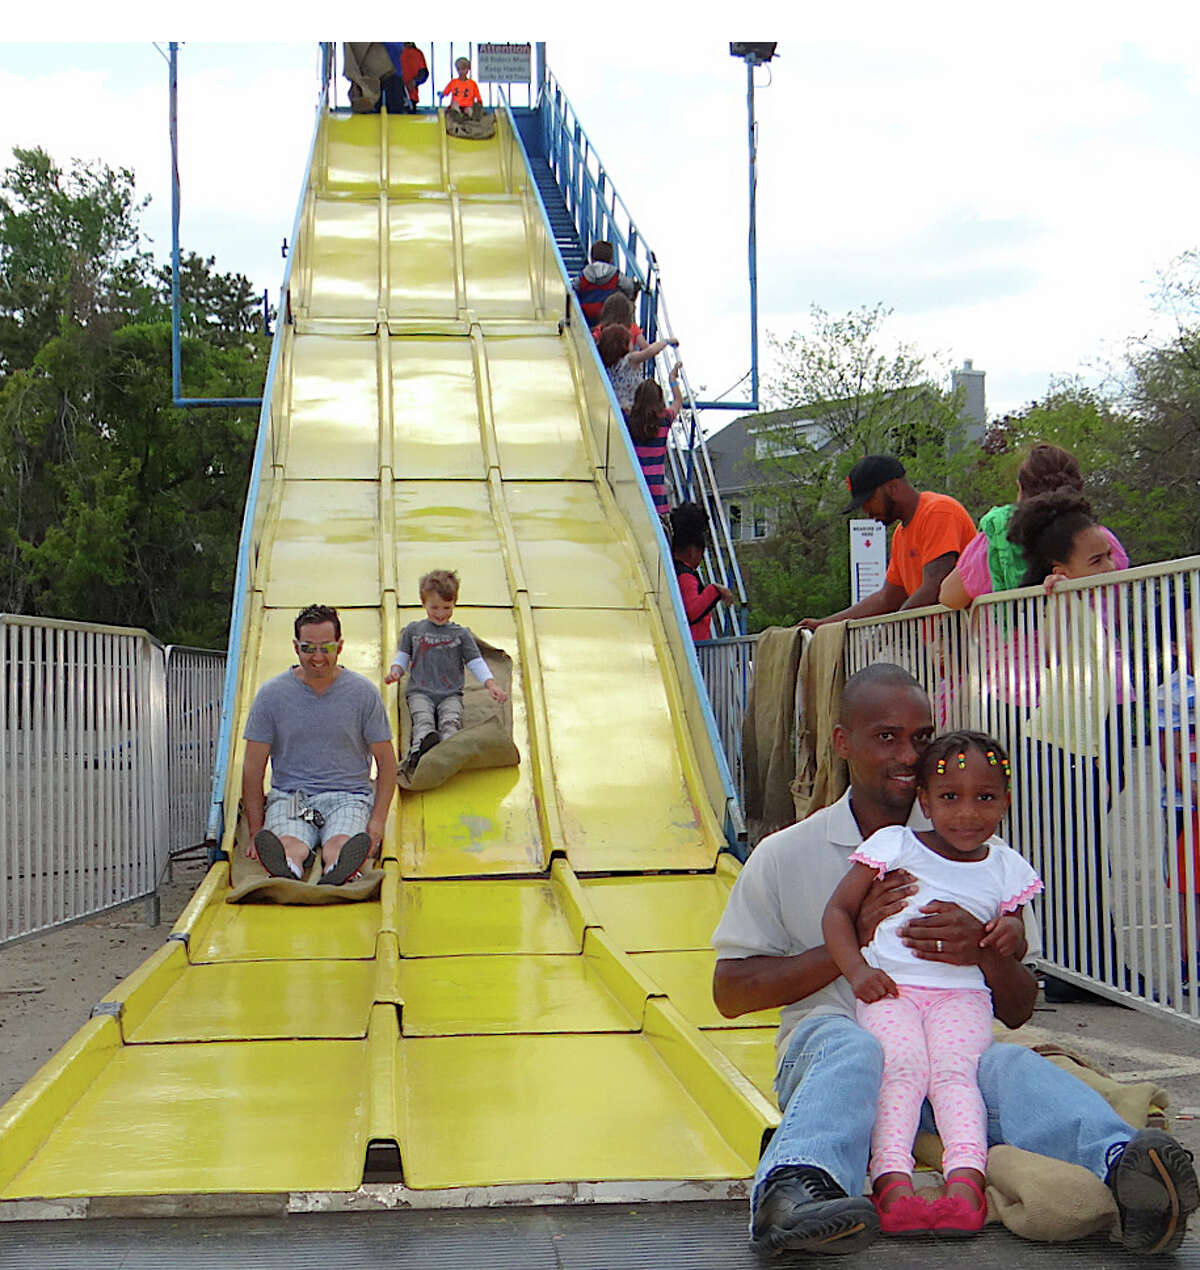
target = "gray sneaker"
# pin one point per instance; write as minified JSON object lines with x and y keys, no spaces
{"x":271,"y":854}
{"x":350,"y":859}
{"x":1154,"y":1183}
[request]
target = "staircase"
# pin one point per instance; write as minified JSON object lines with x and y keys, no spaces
{"x":563,"y":226}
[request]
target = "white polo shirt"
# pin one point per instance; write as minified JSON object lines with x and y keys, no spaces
{"x":776,"y":905}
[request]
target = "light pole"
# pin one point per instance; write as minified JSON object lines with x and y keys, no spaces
{"x":753,"y":55}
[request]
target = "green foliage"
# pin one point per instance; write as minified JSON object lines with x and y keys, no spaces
{"x":1137,"y":442}
{"x":840,"y":396}
{"x":116,"y":506}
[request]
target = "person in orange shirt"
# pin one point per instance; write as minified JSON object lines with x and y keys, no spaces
{"x":413,"y":73}
{"x":464,"y":91}
{"x":933,"y":531}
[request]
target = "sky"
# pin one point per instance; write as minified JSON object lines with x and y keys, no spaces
{"x":1009,"y":180}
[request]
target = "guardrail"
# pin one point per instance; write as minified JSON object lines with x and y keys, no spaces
{"x":195,"y":679}
{"x":727,"y":667}
{"x":1092,"y":692}
{"x":89,"y":808}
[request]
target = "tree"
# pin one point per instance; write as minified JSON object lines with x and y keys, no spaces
{"x":116,"y":506}
{"x":839,"y":396}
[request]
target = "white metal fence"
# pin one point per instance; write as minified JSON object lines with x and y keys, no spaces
{"x":1092,"y":692}
{"x":89,"y":811}
{"x":727,"y":666}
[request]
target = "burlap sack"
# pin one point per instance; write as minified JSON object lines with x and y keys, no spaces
{"x":486,"y":739}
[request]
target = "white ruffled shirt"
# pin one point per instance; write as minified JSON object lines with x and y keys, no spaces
{"x":1000,"y":883}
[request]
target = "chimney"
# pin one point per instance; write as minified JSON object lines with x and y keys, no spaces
{"x":973,"y":411}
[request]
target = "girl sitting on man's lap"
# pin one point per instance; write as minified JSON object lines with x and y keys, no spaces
{"x":933,"y":1018}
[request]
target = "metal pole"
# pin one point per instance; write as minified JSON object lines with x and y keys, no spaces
{"x":176,"y":365}
{"x":751,"y":62}
{"x":177,"y":397}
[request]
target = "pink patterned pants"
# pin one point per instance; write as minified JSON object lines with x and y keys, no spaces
{"x":932,"y":1039}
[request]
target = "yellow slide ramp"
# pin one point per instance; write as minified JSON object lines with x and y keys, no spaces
{"x":527,"y":1004}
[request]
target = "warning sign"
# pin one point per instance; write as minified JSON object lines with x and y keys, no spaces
{"x":503,"y":63}
{"x":868,"y":558}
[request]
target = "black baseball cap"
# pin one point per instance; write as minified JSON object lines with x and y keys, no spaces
{"x":867,"y":475}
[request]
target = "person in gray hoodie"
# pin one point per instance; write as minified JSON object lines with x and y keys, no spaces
{"x":600,"y":279}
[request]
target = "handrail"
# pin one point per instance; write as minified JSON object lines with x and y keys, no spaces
{"x":587,"y":189}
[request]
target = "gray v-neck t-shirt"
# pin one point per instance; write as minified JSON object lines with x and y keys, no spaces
{"x":320,"y":742}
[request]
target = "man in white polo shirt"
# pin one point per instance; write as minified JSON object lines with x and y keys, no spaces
{"x":808,"y":1190}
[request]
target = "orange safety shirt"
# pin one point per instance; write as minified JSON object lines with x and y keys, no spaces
{"x":940,"y":524}
{"x":465,"y":92}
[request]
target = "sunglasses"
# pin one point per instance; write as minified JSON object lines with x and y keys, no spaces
{"x":302,"y":646}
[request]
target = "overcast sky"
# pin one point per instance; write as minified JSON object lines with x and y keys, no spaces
{"x":1010,"y":184}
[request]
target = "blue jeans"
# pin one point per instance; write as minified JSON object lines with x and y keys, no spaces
{"x":828,"y":1084}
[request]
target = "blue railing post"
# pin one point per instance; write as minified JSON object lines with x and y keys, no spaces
{"x":177,"y":397}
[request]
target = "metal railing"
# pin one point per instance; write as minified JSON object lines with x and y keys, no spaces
{"x":88,"y":805}
{"x":195,"y":679}
{"x":1092,"y":692}
{"x":727,"y":666}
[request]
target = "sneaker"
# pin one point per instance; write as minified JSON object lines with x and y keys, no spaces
{"x":271,"y":854}
{"x":1154,"y":1183}
{"x":802,"y":1208}
{"x":350,"y":859}
{"x":414,"y":756}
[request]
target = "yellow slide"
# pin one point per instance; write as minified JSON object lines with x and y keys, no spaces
{"x":527,"y":1004}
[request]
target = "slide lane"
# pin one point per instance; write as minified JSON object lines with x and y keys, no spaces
{"x":527,"y":1002}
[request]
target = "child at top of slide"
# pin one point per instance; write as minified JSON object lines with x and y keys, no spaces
{"x":933,"y":1019}
{"x":434,"y":651}
{"x":463,"y":91}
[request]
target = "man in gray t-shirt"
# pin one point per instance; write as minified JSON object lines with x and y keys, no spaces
{"x":320,"y":725}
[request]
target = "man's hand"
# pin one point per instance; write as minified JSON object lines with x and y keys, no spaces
{"x":808,"y":623}
{"x":887,"y":896}
{"x":946,"y":933}
{"x":1005,"y":936}
{"x":870,"y":984}
{"x":724,"y":592}
{"x":375,"y":832}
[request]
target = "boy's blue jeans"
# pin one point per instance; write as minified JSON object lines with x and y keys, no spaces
{"x":828,"y":1084}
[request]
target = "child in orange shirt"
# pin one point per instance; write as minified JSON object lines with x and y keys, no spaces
{"x":464,"y":91}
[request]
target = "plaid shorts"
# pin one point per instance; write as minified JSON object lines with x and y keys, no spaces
{"x":342,"y":814}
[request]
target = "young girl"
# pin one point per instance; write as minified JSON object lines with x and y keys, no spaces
{"x":934,"y":1019}
{"x":649,"y":425}
{"x":618,"y":311}
{"x":624,"y":364}
{"x":689,"y":538}
{"x":1080,"y":680}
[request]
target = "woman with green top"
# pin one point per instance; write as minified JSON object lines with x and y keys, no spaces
{"x":990,"y":561}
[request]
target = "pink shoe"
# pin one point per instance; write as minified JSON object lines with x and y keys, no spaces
{"x":955,"y":1217}
{"x":908,"y":1215}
